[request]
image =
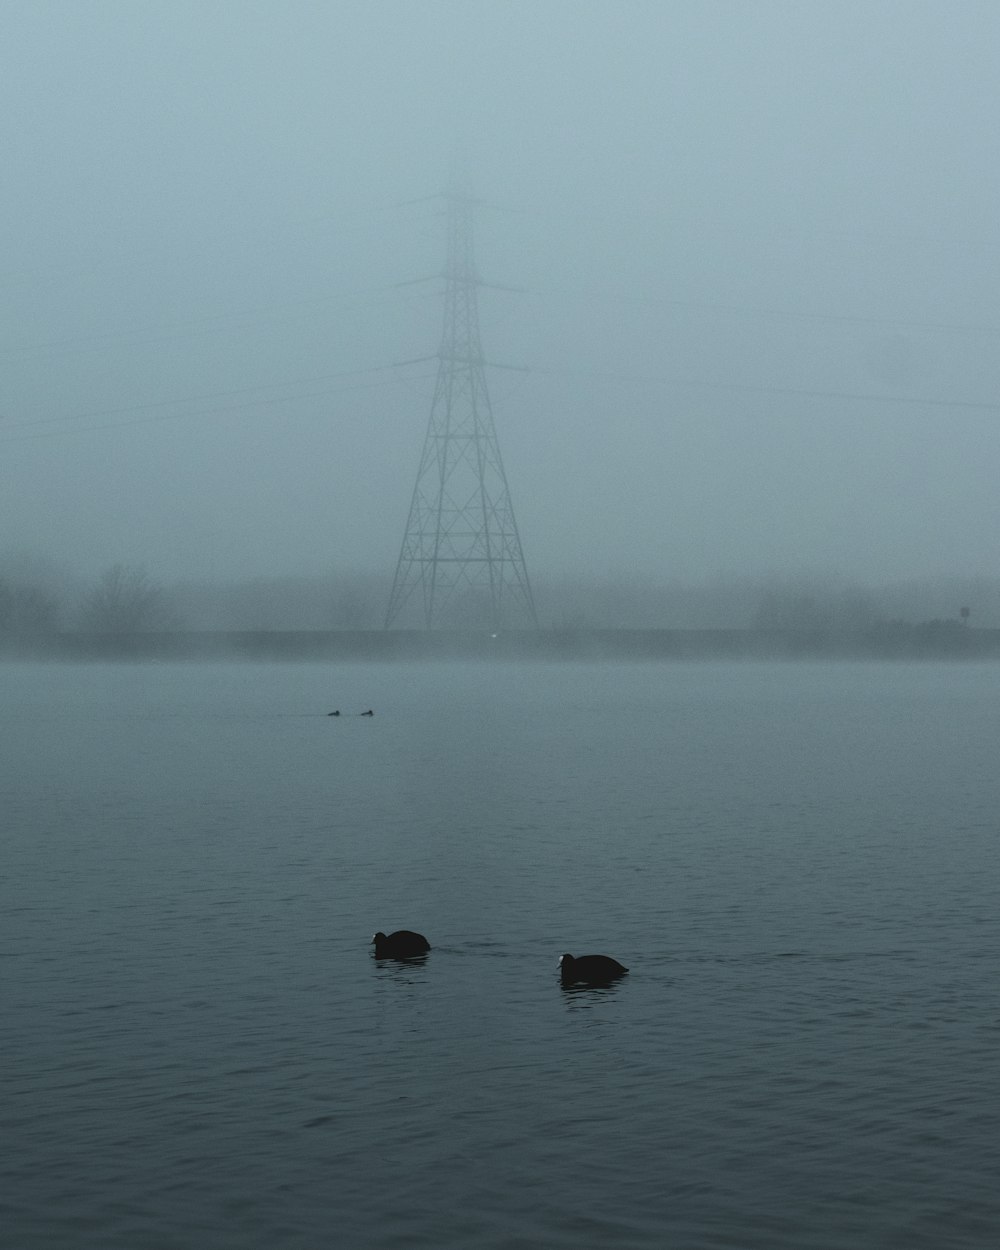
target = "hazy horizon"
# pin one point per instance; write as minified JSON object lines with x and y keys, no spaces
{"x":756,"y":246}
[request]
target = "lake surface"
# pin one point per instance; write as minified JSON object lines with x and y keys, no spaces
{"x":799,"y":863}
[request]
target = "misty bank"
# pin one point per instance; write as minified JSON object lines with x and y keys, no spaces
{"x":896,"y":640}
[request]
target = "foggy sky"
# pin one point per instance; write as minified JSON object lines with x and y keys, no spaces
{"x":758,"y":245}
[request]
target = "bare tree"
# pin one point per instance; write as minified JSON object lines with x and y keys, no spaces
{"x":125,"y":601}
{"x":6,"y":605}
{"x":26,"y":609}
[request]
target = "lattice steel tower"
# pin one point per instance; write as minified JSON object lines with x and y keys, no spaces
{"x":461,"y":548}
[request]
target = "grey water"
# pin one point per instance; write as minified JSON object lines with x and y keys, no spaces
{"x":798,"y":862}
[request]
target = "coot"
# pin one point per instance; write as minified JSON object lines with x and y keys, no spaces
{"x":592,"y":969}
{"x":403,"y":944}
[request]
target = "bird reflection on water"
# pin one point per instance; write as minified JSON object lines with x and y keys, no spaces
{"x":410,"y":972}
{"x":581,"y":995}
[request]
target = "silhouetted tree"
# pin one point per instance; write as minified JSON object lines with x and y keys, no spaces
{"x":26,"y":609}
{"x":355,"y":603}
{"x":791,"y":609}
{"x":815,"y":609}
{"x":125,"y":601}
{"x":6,"y":605}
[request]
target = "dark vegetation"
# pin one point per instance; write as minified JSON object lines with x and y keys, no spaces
{"x":46,"y":610}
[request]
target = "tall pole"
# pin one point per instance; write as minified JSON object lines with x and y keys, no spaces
{"x":461,"y":557}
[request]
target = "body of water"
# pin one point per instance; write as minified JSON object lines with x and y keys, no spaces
{"x":798,"y":862}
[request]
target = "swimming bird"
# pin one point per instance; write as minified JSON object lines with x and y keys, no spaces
{"x":590,"y":969}
{"x":368,"y":713}
{"x":337,"y":713}
{"x":403,"y":944}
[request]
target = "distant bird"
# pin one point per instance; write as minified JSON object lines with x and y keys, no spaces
{"x":368,"y":713}
{"x":337,"y":713}
{"x":403,"y":944}
{"x":590,"y":969}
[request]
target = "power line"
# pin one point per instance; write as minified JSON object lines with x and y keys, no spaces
{"x":596,"y":375}
{"x":199,"y":326}
{"x":198,"y":399}
{"x":225,"y":322}
{"x":757,"y":389}
{"x":198,"y":412}
{"x":790,"y":314}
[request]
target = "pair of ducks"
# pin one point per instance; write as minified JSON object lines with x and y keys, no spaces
{"x":337,"y":713}
{"x":588,"y":969}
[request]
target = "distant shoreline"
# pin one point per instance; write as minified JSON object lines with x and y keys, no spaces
{"x":931,"y":640}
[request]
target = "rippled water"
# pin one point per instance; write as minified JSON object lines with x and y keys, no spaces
{"x":798,"y":862}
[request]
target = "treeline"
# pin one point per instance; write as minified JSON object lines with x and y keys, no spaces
{"x":123,"y":600}
{"x":808,"y":604}
{"x":38,"y":598}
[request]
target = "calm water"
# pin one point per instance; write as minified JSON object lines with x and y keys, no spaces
{"x":798,"y":862}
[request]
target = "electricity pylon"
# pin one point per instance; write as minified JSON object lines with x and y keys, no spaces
{"x":461,"y":547}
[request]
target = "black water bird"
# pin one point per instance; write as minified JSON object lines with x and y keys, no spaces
{"x":337,"y":713}
{"x":590,"y":970}
{"x":368,"y":713}
{"x":403,"y":944}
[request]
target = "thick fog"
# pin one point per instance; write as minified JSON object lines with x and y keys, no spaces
{"x":756,"y":245}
